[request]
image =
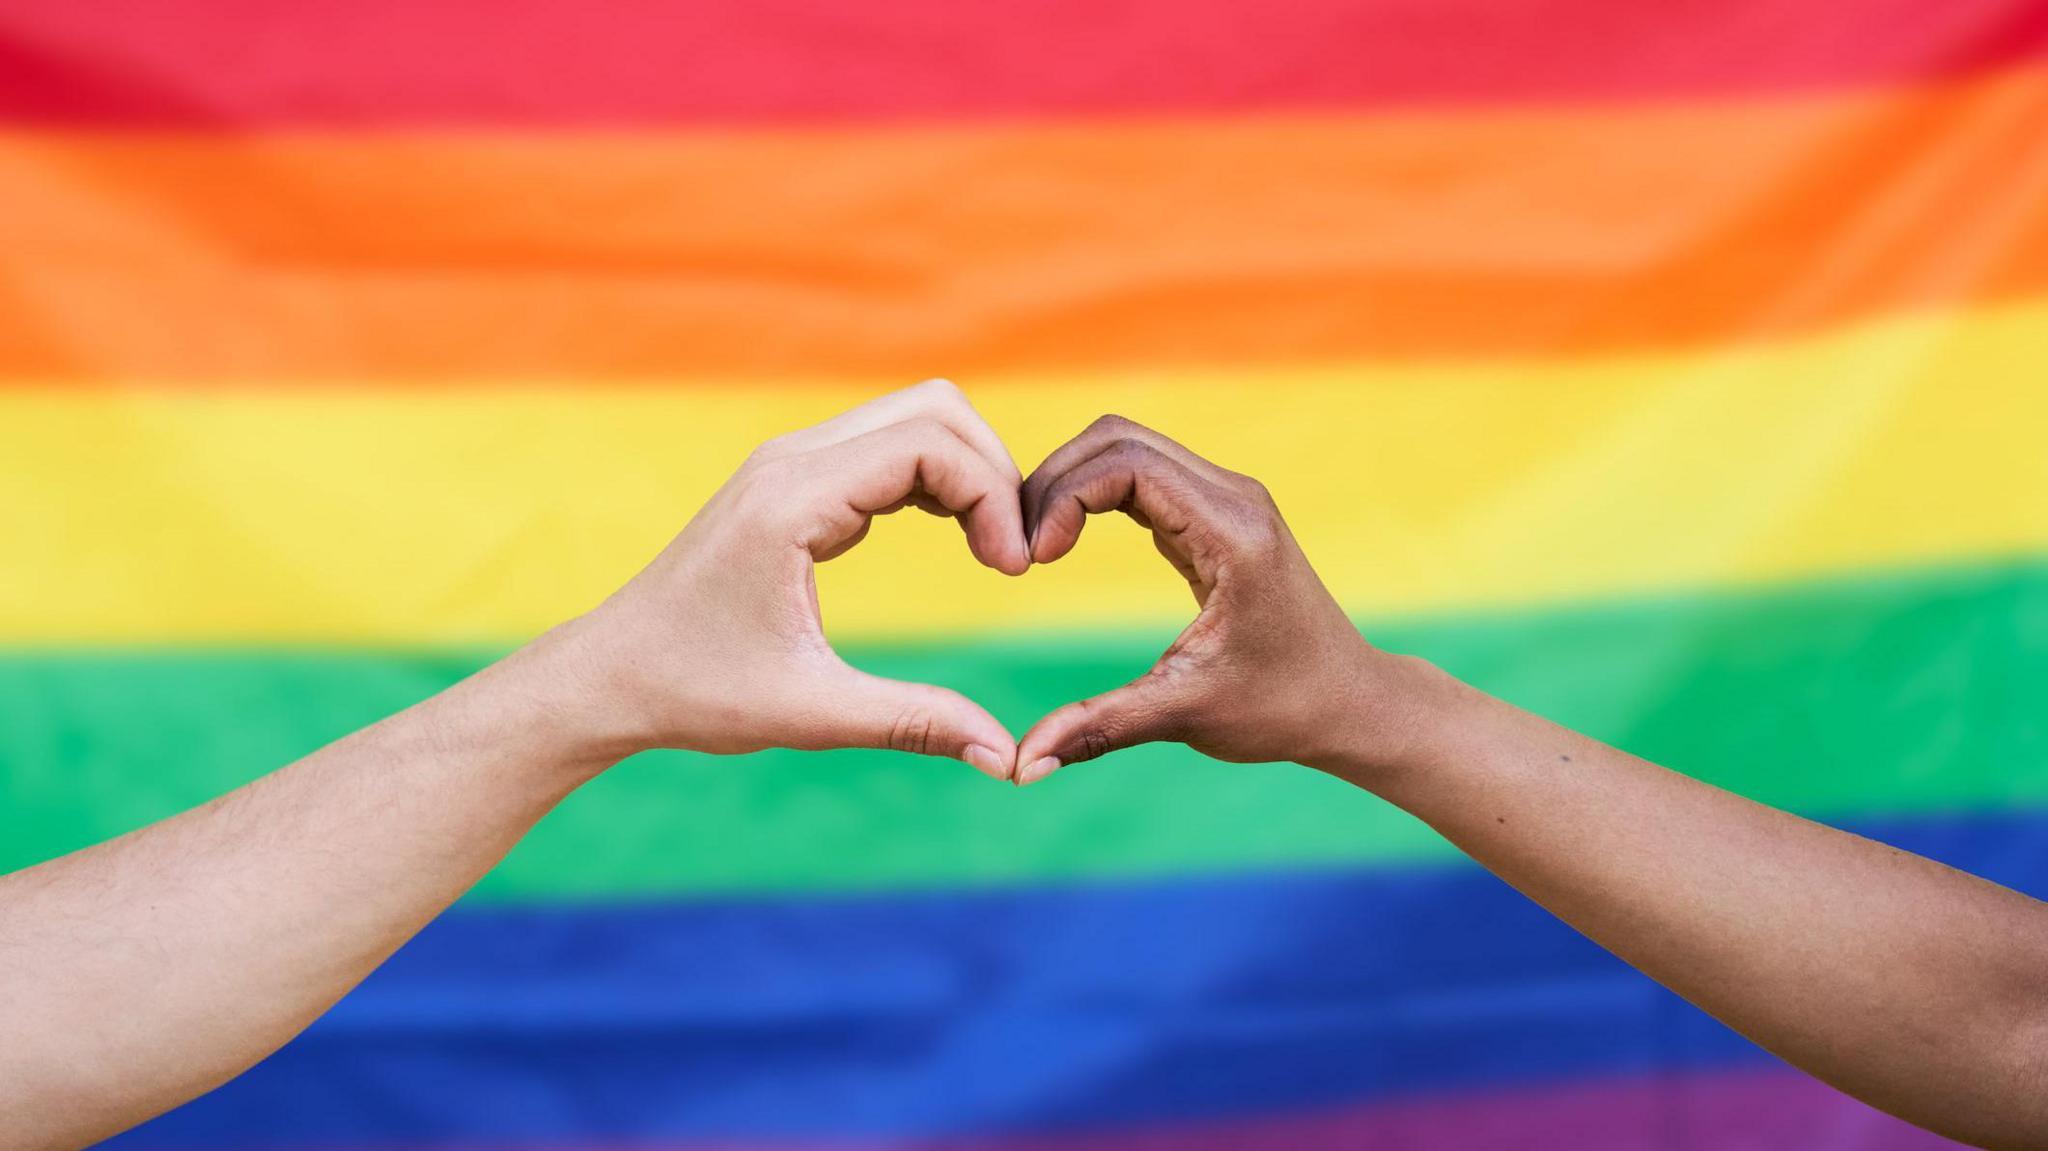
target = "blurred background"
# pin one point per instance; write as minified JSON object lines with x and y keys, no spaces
{"x":1679,"y":371}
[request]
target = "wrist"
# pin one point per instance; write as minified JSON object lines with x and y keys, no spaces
{"x":1399,"y":720}
{"x":547,"y":708}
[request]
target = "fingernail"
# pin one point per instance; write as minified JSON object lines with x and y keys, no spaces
{"x":985,"y":761}
{"x":1039,"y":769}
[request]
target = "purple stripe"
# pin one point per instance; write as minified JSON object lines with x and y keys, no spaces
{"x":1752,"y":1111}
{"x":1760,"y":1110}
{"x":1774,"y":1109}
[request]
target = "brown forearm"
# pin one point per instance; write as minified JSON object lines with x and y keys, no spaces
{"x":1913,"y":986}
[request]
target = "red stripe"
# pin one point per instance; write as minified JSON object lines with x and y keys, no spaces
{"x":354,"y":63}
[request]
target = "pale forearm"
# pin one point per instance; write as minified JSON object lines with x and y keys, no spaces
{"x":1913,"y":986}
{"x":139,"y":973}
{"x":143,"y":971}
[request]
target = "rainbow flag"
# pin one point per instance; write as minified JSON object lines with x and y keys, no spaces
{"x":1677,"y":370}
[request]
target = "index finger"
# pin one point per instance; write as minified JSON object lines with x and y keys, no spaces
{"x":1127,"y":475}
{"x":1096,"y":437}
{"x":880,"y":470}
{"x":940,"y":400}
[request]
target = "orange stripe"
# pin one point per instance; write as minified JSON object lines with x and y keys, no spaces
{"x":907,"y":252}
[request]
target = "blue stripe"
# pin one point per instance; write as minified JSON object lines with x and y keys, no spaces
{"x":1030,"y":1010}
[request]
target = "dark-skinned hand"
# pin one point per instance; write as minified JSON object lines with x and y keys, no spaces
{"x":1270,"y":669}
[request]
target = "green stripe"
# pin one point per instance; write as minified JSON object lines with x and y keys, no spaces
{"x":1879,"y":695}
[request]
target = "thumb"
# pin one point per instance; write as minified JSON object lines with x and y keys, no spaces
{"x":1145,"y":710}
{"x":870,"y":711}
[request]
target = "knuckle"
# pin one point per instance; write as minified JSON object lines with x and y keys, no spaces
{"x":1095,"y":743}
{"x":1131,"y":452}
{"x":1092,"y":738}
{"x":769,"y":471}
{"x":910,"y":731}
{"x":941,"y":396}
{"x":775,"y":447}
{"x":1253,"y":488}
{"x":941,"y":388}
{"x":928,"y":431}
{"x":769,"y":486}
{"x":1257,"y":536}
{"x":1112,"y":424}
{"x":757,"y":504}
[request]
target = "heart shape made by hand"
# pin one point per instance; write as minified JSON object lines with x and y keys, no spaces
{"x":730,"y":653}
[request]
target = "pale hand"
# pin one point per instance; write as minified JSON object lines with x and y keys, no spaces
{"x":718,"y":646}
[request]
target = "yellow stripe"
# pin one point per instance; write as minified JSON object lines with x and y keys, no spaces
{"x":360,"y":515}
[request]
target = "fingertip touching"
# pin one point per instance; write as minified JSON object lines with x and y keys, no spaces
{"x":1015,"y":557}
{"x":1055,"y":741}
{"x":995,"y":533}
{"x":1146,"y":710}
{"x":1056,"y":535}
{"x":990,"y":762}
{"x":1037,"y":769}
